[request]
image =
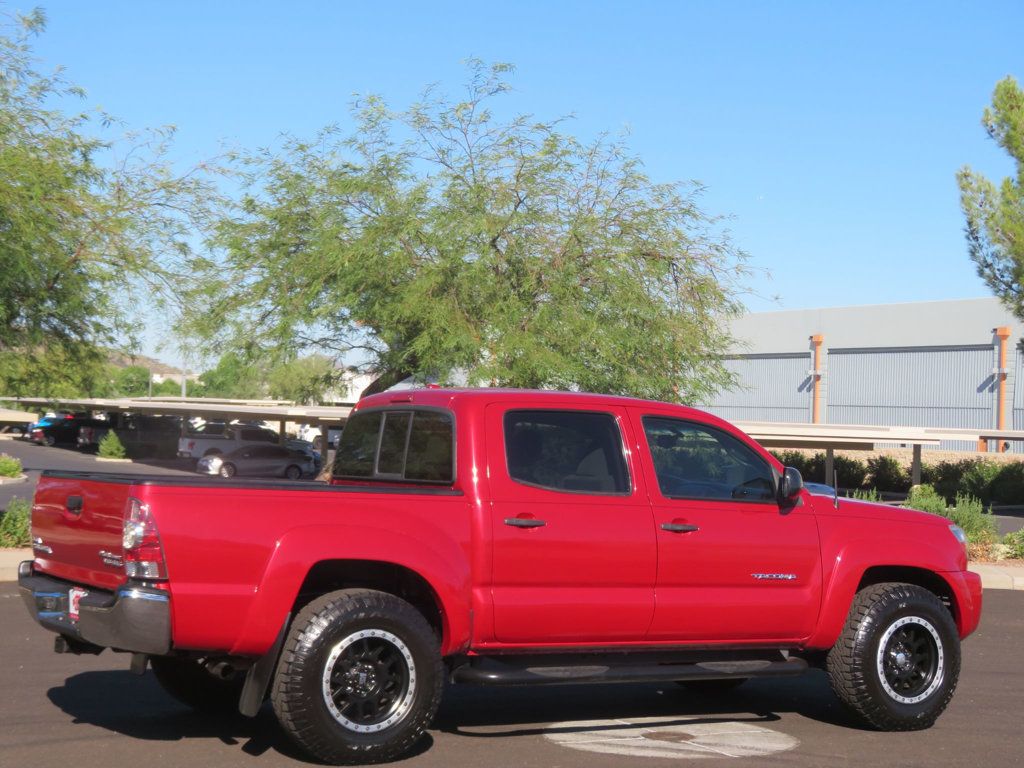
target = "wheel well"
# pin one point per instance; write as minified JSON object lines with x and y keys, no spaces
{"x":330,"y":575}
{"x":909,"y":575}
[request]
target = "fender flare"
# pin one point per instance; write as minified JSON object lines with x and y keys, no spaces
{"x":439,"y":561}
{"x":850,"y":564}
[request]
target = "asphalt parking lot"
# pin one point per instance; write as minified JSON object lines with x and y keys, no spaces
{"x":91,"y":711}
{"x":36,"y":458}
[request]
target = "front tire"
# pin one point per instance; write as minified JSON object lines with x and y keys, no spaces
{"x":359,"y":679}
{"x":293,"y":472}
{"x":227,"y":470}
{"x":897,"y":661}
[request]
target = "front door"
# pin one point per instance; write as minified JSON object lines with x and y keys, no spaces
{"x":733,"y":564}
{"x":574,"y":555}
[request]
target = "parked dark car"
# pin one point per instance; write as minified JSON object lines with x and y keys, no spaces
{"x":142,"y":435}
{"x":63,"y":431}
{"x":259,"y":461}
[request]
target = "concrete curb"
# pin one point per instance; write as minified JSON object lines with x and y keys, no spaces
{"x":9,"y":559}
{"x":995,"y":576}
{"x":114,"y":461}
{"x":13,"y":480}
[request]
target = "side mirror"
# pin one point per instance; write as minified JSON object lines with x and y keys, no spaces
{"x":790,"y":484}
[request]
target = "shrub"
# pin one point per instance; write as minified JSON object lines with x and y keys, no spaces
{"x":887,"y":474}
{"x":1008,"y":486}
{"x":866,"y":495}
{"x":10,"y":466}
{"x":977,"y":481}
{"x":851,"y":472}
{"x":111,"y":446}
{"x":925,"y":499}
{"x":967,"y":512}
{"x":15,"y":523}
{"x":978,"y":524}
{"x":1015,"y":544}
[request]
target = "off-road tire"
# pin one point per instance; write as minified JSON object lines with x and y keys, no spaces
{"x":320,"y":629}
{"x":854,"y":662}
{"x":718,"y":687}
{"x":188,"y":681}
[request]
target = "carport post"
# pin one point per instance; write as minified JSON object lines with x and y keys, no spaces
{"x":915,"y":466}
{"x":281,"y":436}
{"x":830,"y":464}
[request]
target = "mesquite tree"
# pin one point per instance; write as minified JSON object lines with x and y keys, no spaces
{"x":443,"y":242}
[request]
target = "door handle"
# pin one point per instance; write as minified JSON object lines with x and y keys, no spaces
{"x":524,"y":522}
{"x":679,"y":528}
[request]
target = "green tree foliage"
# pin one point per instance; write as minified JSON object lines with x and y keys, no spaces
{"x":303,"y":380}
{"x":443,"y":239}
{"x":132,"y":381}
{"x":86,"y":224}
{"x":233,"y":377}
{"x":995,"y":214}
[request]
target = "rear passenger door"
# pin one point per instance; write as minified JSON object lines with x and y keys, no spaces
{"x":574,"y":553}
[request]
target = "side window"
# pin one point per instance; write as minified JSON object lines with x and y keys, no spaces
{"x":694,"y":461}
{"x":571,"y":451}
{"x":411,"y":446}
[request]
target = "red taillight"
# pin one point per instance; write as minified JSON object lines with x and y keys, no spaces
{"x":143,"y":552}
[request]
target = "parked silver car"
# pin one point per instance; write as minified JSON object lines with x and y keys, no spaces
{"x":260,"y":461}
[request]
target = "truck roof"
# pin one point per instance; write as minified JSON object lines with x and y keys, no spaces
{"x":453,"y":397}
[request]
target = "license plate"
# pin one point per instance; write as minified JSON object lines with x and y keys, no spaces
{"x":75,"y":595}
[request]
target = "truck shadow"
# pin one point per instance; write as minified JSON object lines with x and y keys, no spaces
{"x":123,"y":703}
{"x":138,"y":707}
{"x":483,"y":713}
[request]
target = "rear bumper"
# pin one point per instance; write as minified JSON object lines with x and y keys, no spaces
{"x":133,"y":618}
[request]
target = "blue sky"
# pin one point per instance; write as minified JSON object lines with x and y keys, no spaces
{"x":829,"y":133}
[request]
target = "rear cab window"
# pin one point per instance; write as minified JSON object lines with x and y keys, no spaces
{"x":398,"y":445}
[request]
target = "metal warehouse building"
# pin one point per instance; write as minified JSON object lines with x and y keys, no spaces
{"x":953,"y":364}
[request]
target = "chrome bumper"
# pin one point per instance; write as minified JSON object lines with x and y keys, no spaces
{"x":133,"y":618}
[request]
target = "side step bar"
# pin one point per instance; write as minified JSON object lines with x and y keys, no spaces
{"x":508,"y":671}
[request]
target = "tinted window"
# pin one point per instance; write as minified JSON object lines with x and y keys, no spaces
{"x":429,"y":458}
{"x":357,"y":449}
{"x":693,"y":461}
{"x":393,"y":438}
{"x":408,"y":445}
{"x":566,"y":451}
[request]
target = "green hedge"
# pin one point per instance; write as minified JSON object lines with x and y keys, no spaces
{"x":10,"y":466}
{"x":15,"y":523}
{"x":983,"y":479}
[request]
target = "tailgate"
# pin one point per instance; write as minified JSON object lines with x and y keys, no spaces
{"x":77,"y":528}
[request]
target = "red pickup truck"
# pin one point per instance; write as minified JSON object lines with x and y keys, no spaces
{"x":501,"y":537}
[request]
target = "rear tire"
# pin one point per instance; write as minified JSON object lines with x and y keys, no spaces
{"x":50,"y":440}
{"x":293,"y":472}
{"x":897,"y":661}
{"x":359,"y":678}
{"x":189,"y":681}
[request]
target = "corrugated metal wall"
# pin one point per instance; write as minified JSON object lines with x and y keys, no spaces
{"x":770,"y":388}
{"x":913,"y":386}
